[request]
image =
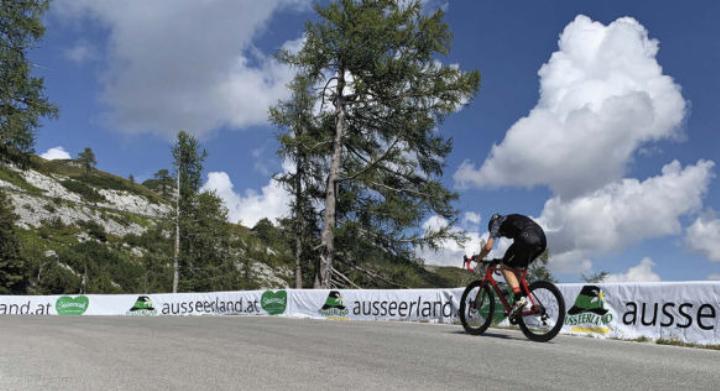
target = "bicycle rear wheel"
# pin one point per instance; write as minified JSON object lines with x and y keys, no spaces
{"x":544,"y":320}
{"x":477,"y":306}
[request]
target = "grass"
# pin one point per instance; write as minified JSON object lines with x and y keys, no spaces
{"x":8,"y":175}
{"x":94,"y":178}
{"x":671,"y":342}
{"x":675,"y":342}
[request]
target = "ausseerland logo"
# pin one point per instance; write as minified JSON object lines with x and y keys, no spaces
{"x":67,"y":305}
{"x":143,"y":307}
{"x":334,"y":307}
{"x":589,"y":314}
{"x":274,"y":303}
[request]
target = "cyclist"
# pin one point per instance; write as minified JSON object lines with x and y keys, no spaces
{"x":528,"y":243}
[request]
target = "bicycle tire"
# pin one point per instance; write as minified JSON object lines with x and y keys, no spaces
{"x":463,"y":307}
{"x":552,"y":333}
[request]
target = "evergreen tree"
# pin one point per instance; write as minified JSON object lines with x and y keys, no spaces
{"x":131,"y":178}
{"x":375,"y":62}
{"x":188,"y":170}
{"x":595,"y":278}
{"x":86,"y":158}
{"x":165,"y":182}
{"x":304,"y":182}
{"x":12,"y":265}
{"x":161,"y":182}
{"x":208,"y":264}
{"x":538,"y":270}
{"x":202,"y":261}
{"x":22,"y":101}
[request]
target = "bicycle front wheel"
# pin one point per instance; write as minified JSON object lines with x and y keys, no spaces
{"x":544,"y":320}
{"x":477,"y":306}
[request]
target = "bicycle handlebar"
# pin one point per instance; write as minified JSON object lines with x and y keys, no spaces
{"x":476,"y":258}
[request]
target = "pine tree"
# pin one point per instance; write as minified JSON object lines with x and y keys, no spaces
{"x":86,"y":158}
{"x":12,"y":265}
{"x":595,"y":278}
{"x":208,"y":264}
{"x":304,"y":182}
{"x":375,"y":62}
{"x":22,"y":101}
{"x":188,"y":170}
{"x":165,"y":182}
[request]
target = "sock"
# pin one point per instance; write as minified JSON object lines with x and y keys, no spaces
{"x":517,"y":293}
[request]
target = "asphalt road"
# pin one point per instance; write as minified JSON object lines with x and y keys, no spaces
{"x":248,"y":353}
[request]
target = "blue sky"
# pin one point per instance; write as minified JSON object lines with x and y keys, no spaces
{"x":126,"y":77}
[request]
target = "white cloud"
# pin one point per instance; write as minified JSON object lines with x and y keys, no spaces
{"x":471,"y":217}
{"x":602,"y":96}
{"x":714,"y":276}
{"x":450,"y":253}
{"x":272,"y":202}
{"x":704,"y":236}
{"x":81,"y":52}
{"x":641,"y":272}
{"x":622,"y":213}
{"x":56,"y":153}
{"x":185,"y":64}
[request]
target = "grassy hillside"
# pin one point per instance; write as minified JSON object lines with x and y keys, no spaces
{"x":98,"y":232}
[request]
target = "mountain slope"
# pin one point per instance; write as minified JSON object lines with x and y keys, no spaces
{"x":97,"y":232}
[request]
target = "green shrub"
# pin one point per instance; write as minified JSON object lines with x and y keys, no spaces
{"x":95,"y":230}
{"x":84,"y":190}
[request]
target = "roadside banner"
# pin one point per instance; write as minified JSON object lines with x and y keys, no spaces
{"x":685,"y":311}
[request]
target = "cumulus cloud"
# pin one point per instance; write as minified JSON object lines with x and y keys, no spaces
{"x":471,"y":219}
{"x":81,"y":52}
{"x":602,"y":96}
{"x":185,"y":64}
{"x":272,"y":202}
{"x":641,"y":272}
{"x":450,"y":253}
{"x":703,"y":236}
{"x":56,"y":153}
{"x":622,"y":213}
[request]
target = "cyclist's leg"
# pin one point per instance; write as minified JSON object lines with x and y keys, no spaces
{"x":522,"y":254}
{"x":509,"y":259}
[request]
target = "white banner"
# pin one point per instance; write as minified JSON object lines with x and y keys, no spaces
{"x":686,"y":311}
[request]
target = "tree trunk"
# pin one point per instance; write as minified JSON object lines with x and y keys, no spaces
{"x":299,"y":219}
{"x":176,"y":269}
{"x":328,"y":233}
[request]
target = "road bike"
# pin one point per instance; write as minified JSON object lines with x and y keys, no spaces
{"x":540,"y":320}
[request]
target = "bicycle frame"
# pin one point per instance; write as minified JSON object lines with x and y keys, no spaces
{"x":488,"y":278}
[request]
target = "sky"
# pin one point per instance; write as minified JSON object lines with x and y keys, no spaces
{"x":597,"y":119}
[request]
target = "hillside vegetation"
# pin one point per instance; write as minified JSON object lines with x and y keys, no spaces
{"x":95,"y":232}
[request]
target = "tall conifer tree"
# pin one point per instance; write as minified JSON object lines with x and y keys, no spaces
{"x":382,"y":93}
{"x":22,"y":100}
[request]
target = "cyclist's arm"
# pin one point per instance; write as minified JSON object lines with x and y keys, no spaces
{"x":487,"y":248}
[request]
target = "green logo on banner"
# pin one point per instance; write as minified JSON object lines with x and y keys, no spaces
{"x":589,"y":314}
{"x":143,"y":306}
{"x":67,"y":305}
{"x":274,"y":303}
{"x":334,"y":307}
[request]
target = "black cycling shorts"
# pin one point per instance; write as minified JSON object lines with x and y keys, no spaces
{"x":525,"y":249}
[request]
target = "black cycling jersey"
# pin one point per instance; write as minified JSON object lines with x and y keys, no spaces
{"x":528,"y":239}
{"x":512,"y":227}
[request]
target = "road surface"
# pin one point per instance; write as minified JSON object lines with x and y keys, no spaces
{"x":264,"y":353}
